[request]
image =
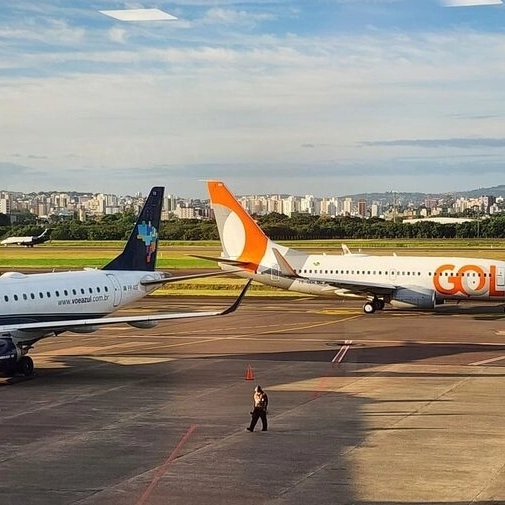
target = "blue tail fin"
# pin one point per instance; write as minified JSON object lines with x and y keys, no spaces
{"x":141,"y":248}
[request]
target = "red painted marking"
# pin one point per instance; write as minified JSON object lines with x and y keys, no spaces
{"x":164,"y":467}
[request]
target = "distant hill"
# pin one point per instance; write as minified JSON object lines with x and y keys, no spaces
{"x":419,"y":197}
{"x":474,"y":193}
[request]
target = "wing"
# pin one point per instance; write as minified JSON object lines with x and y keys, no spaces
{"x":64,"y":325}
{"x":357,"y":287}
{"x":169,"y":278}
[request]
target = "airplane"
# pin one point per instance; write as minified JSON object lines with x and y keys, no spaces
{"x":411,"y":282}
{"x":37,"y":306}
{"x":29,"y":241}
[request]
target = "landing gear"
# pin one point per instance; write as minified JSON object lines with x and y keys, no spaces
{"x":14,"y":359}
{"x":371,"y":306}
{"x":25,"y":366}
{"x":368,"y":308}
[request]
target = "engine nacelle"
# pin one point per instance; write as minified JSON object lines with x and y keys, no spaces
{"x":83,"y":329}
{"x":144,"y":325}
{"x":9,"y":355}
{"x":413,"y":298}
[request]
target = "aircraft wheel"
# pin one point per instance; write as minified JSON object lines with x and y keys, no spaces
{"x":25,"y":366}
{"x":368,"y":308}
{"x":379,"y":304}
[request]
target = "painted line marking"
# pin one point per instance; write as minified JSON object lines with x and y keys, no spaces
{"x":248,"y":337}
{"x":164,"y":467}
{"x":337,"y":359}
{"x":342,"y":352}
{"x":485,"y":361}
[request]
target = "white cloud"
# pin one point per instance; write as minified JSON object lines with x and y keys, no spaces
{"x":234,"y":97}
{"x":118,"y":35}
{"x":235,"y":17}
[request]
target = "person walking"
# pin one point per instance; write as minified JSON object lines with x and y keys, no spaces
{"x":260,"y":405}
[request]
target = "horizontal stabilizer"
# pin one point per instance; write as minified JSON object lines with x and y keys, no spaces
{"x":230,"y":261}
{"x":285,"y":268}
{"x":176,"y":278}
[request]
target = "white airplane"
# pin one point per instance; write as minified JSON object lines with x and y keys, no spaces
{"x":29,"y":241}
{"x":37,"y":306}
{"x":405,"y":282}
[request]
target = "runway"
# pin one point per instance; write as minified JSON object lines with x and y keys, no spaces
{"x":390,"y":408}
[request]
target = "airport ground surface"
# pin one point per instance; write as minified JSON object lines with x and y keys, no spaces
{"x":391,"y":408}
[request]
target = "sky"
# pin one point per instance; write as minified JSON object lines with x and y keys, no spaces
{"x":322,"y":97}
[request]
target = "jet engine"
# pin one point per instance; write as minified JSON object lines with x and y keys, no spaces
{"x":144,"y":325}
{"x":413,"y":298}
{"x":9,"y":355}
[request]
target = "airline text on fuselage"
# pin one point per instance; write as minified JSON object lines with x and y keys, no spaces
{"x":466,"y":280}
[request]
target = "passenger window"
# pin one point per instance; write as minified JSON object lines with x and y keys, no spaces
{"x":25,"y":297}
{"x":48,"y":294}
{"x":41,"y":295}
{"x":74,"y":292}
{"x":32,"y":296}
{"x":16,"y":298}
{"x":57,"y":293}
{"x":65,"y":292}
{"x":6,"y":298}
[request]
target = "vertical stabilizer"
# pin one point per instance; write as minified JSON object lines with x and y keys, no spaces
{"x":140,"y":250}
{"x":241,"y":238}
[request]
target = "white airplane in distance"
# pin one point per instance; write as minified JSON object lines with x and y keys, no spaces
{"x":407,"y":282}
{"x":29,"y":241}
{"x":37,"y":306}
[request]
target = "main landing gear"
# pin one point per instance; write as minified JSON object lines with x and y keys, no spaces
{"x":371,"y":306}
{"x":14,"y":359}
{"x":25,"y":366}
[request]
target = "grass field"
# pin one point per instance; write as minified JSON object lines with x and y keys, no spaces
{"x":177,"y":255}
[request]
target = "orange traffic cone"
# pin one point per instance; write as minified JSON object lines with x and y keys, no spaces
{"x":249,"y":374}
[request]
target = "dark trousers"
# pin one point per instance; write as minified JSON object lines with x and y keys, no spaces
{"x":256,"y":414}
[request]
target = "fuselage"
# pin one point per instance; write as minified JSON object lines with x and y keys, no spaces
{"x":451,"y":278}
{"x":26,"y":241}
{"x":68,"y":295}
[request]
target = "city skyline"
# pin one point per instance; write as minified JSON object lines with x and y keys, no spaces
{"x":297,"y":97}
{"x":497,"y":189}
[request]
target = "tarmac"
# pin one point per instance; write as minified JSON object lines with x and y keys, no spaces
{"x":386,"y":409}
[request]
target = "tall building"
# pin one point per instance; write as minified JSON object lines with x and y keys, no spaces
{"x":5,"y":205}
{"x":362,"y":208}
{"x":348,"y":206}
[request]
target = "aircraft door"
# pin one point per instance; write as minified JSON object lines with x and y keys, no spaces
{"x":500,"y":277}
{"x":116,"y":288}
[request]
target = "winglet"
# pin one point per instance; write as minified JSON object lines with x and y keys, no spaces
{"x":345,"y":249}
{"x":238,"y":301}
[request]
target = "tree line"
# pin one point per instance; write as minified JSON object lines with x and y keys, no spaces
{"x":276,"y":226}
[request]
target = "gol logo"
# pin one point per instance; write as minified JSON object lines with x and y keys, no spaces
{"x":467,"y":280}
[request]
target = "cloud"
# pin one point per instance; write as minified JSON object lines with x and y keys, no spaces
{"x":8,"y":169}
{"x":118,"y":35}
{"x":462,"y":143}
{"x":217,"y":89}
{"x":236,"y":17}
